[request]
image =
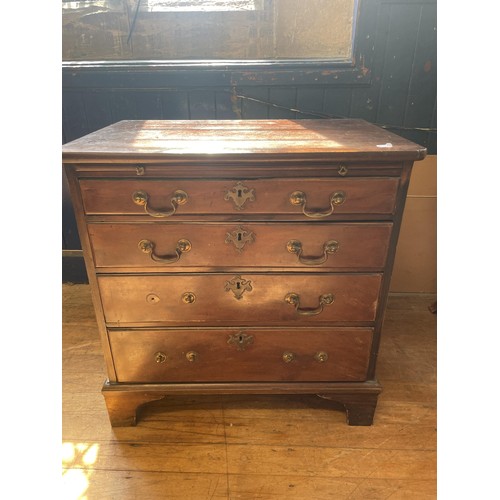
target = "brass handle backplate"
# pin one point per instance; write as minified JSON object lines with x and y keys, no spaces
{"x":299,"y":198}
{"x":294,"y":299}
{"x":148,"y":247}
{"x":141,"y":198}
{"x":288,"y":356}
{"x":329,"y":247}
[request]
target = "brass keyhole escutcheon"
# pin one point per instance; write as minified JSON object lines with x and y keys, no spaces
{"x":240,"y":195}
{"x":188,"y":297}
{"x":321,"y":356}
{"x":160,"y":357}
{"x":240,"y":237}
{"x":152,"y":298}
{"x":240,"y":340}
{"x":238,"y":286}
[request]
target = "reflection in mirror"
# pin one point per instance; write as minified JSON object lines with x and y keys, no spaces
{"x":250,"y":30}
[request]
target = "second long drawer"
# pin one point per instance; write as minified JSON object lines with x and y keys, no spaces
{"x":241,"y":299}
{"x":167,"y":245}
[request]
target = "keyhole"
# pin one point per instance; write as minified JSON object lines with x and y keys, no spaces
{"x":239,"y":193}
{"x":239,"y":236}
{"x":238,"y":285}
{"x":240,"y":339}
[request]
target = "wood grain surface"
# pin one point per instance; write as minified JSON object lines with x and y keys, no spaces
{"x":159,"y":138}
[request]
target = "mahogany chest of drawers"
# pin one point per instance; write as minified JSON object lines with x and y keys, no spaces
{"x":240,"y":256}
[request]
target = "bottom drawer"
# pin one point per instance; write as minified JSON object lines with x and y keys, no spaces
{"x":241,"y":355}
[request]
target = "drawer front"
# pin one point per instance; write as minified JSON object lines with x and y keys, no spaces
{"x":304,"y":199}
{"x":241,"y":355}
{"x":215,"y":299}
{"x":167,"y":245}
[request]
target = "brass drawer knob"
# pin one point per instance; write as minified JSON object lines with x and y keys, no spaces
{"x":288,"y":356}
{"x":188,"y":297}
{"x":160,"y":357}
{"x":299,"y":198}
{"x":148,"y":247}
{"x":321,"y":356}
{"x":329,"y":247}
{"x":294,"y":299}
{"x":141,"y":198}
{"x":192,"y":356}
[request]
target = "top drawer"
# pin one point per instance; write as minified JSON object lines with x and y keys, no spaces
{"x":300,"y":198}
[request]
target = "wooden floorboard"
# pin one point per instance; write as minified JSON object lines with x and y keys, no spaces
{"x":254,"y":447}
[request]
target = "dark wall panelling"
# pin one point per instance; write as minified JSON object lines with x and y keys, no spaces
{"x":74,"y":116}
{"x":398,"y":63}
{"x":252,"y":105}
{"x":284,"y":100}
{"x":311,"y":100}
{"x":175,"y":105}
{"x":147,"y":104}
{"x":123,"y":105}
{"x":420,"y":106}
{"x":337,"y":102}
{"x":201,"y":104}
{"x":97,"y":109}
{"x":227,"y":105}
{"x":364,"y":103}
{"x":392,"y":83}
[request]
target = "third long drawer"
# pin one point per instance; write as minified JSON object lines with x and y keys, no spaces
{"x":242,"y":299}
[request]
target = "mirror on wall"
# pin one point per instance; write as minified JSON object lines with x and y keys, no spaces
{"x":232,"y":30}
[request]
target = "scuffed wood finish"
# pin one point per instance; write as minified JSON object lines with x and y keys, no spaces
{"x":315,"y":328}
{"x":270,"y":197}
{"x":249,"y":354}
{"x":158,"y":299}
{"x":259,"y":245}
{"x":153,"y":139}
{"x":124,"y":407}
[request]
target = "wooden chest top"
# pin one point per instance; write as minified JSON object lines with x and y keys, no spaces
{"x":231,"y":139}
